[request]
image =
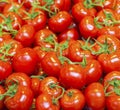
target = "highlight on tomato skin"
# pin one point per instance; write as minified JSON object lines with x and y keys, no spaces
{"x":59,"y":54}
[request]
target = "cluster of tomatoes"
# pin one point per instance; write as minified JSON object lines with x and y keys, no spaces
{"x":59,"y":54}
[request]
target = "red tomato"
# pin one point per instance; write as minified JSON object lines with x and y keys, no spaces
{"x":5,"y":69}
{"x":76,"y":53}
{"x":110,"y":62}
{"x":5,"y":37}
{"x":113,"y":102}
{"x":36,"y":18}
{"x":79,"y":11}
{"x":46,"y":86}
{"x":93,"y":71}
{"x":50,"y":64}
{"x":67,"y":5}
{"x":72,"y":76}
{"x":44,"y":99}
{"x":25,"y":35}
{"x":68,"y":34}
{"x":73,"y":99}
{"x":95,"y":97}
{"x":41,"y":35}
{"x":19,"y":78}
{"x":22,"y":98}
{"x":87,"y":27}
{"x":25,"y":61}
{"x":60,"y":22}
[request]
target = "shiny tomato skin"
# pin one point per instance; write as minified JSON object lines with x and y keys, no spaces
{"x":67,"y":5}
{"x":5,"y":69}
{"x":60,"y":22}
{"x":93,"y":71}
{"x":19,"y":78}
{"x":50,"y":64}
{"x":68,"y":34}
{"x":87,"y":27}
{"x":21,"y":100}
{"x":25,"y":61}
{"x":110,"y":62}
{"x":25,"y":35}
{"x":95,"y":97}
{"x":113,"y":102}
{"x":73,"y":99}
{"x":72,"y":76}
{"x":39,"y":21}
{"x":44,"y":99}
{"x":45,"y":87}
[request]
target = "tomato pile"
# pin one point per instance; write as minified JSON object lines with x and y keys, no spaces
{"x":59,"y":54}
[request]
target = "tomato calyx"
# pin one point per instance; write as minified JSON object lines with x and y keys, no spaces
{"x":91,"y":4}
{"x":4,"y":51}
{"x":10,"y":92}
{"x":116,"y":87}
{"x":104,"y":48}
{"x":108,"y":21}
{"x":45,"y":7}
{"x":55,"y":85}
{"x":70,"y":93}
{"x":7,"y":25}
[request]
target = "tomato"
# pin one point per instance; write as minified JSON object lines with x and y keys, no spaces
{"x":19,"y":78}
{"x":110,"y":62}
{"x":113,"y":76}
{"x":76,"y":51}
{"x":72,"y":76}
{"x":79,"y":11}
{"x":68,"y":34}
{"x":2,"y":91}
{"x":25,"y":35}
{"x":9,"y":48}
{"x":5,"y":69}
{"x":93,"y":71}
{"x":95,"y":97}
{"x":113,"y":102}
{"x":87,"y":27}
{"x":60,"y":22}
{"x":25,"y":61}
{"x":44,"y":99}
{"x":67,"y":5}
{"x":36,"y":18}
{"x":73,"y":99}
{"x":41,"y":35}
{"x":5,"y":37}
{"x":50,"y":64}
{"x":112,"y":42}
{"x":22,"y":98}
{"x":46,"y":86}
{"x":111,"y":30}
{"x":14,"y":7}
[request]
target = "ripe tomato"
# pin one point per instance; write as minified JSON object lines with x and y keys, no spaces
{"x":25,"y":35}
{"x":113,"y":102}
{"x":60,"y":22}
{"x":68,"y":34}
{"x":36,"y":18}
{"x":73,"y":99}
{"x":95,"y":97}
{"x":87,"y":27}
{"x":25,"y":61}
{"x":79,"y":11}
{"x":19,"y":78}
{"x":46,"y":86}
{"x":5,"y":69}
{"x":50,"y":64}
{"x":72,"y":76}
{"x":22,"y":98}
{"x":44,"y":99}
